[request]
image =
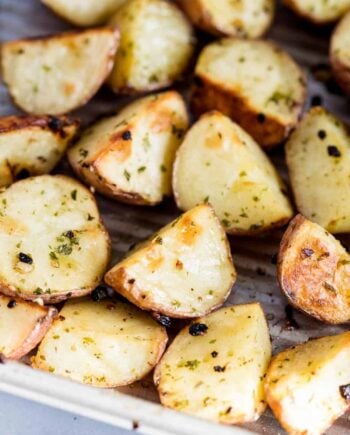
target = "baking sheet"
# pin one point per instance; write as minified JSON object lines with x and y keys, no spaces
{"x":128,"y":224}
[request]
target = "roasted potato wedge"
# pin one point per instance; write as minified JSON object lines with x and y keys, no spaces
{"x":22,"y":325}
{"x":220,"y":163}
{"x":32,"y":145}
{"x":59,"y":73}
{"x":340,"y":53}
{"x":155,"y":48}
{"x":84,"y":12}
{"x":105,"y":344}
{"x":308,"y":386}
{"x":185,"y":270}
{"x":314,"y":271}
{"x":53,"y":242}
{"x":215,"y":367}
{"x":246,"y":80}
{"x":246,"y":18}
{"x":130,"y":156}
{"x":319,"y":12}
{"x":318,"y":159}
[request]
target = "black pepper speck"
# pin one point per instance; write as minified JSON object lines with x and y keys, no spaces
{"x":12,"y":303}
{"x":126,"y":135}
{"x":198,"y":329}
{"x":333,"y":151}
{"x":24,"y":258}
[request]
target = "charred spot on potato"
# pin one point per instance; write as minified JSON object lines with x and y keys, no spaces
{"x":198,"y":329}
{"x":261,"y":118}
{"x":321,"y":134}
{"x":126,"y":135}
{"x":329,"y":287}
{"x":25,"y":258}
{"x":345,"y":392}
{"x":307,"y":252}
{"x":333,"y":151}
{"x":11,"y":304}
{"x":99,"y":294}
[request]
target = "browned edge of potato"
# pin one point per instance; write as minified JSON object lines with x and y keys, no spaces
{"x":307,"y":385}
{"x":207,"y":94}
{"x":202,"y":17}
{"x":170,"y":256}
{"x":60,"y":94}
{"x":314,"y":271}
{"x":24,"y":324}
{"x":66,"y":249}
{"x":340,"y":53}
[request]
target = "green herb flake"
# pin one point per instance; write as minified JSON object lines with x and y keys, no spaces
{"x":73,"y":194}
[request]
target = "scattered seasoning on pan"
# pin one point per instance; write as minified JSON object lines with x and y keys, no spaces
{"x":99,"y":293}
{"x":25,"y":258}
{"x":22,"y":174}
{"x":333,"y":151}
{"x":198,"y":329}
{"x":345,"y":392}
{"x":219,"y":368}
{"x":307,"y":252}
{"x":261,"y":118}
{"x":322,"y":134}
{"x":214,"y":354}
{"x":316,"y":100}
{"x":290,"y":323}
{"x":12,"y":303}
{"x":126,"y":135}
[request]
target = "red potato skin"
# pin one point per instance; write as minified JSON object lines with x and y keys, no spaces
{"x":37,"y":334}
{"x":267,"y":131}
{"x":313,"y":283}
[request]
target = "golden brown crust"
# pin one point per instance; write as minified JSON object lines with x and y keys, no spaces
{"x":265,"y":129}
{"x":65,"y":35}
{"x":312,"y":272}
{"x":60,"y":125}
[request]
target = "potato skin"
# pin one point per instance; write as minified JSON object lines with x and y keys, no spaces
{"x":295,"y":6}
{"x":339,"y":56}
{"x":302,"y":384}
{"x":313,"y":272}
{"x":104,"y":343}
{"x":164,"y":117}
{"x":42,"y":316}
{"x":207,"y":95}
{"x":8,"y":288}
{"x":33,"y":144}
{"x":141,"y":63}
{"x":84,"y":12}
{"x":200,"y":373}
{"x":201,"y":17}
{"x":155,"y":258}
{"x":61,"y":94}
